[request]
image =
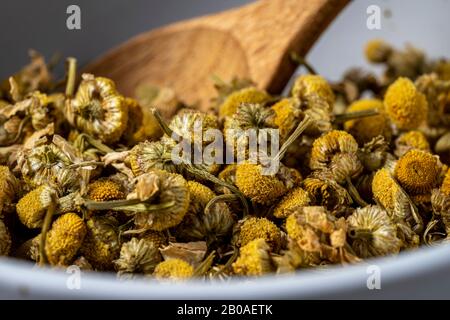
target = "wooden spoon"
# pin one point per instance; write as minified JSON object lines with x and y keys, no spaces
{"x":253,"y":41}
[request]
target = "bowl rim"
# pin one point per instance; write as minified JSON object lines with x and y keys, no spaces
{"x":21,"y":279}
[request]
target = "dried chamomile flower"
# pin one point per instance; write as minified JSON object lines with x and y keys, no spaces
{"x":336,"y":151}
{"x":158,"y":238}
{"x":299,"y":228}
{"x":287,"y":115}
{"x":173,"y":198}
{"x":260,"y":188}
{"x":374,"y":154}
{"x":295,"y":198}
{"x":5,"y":239}
{"x":173,"y":269}
{"x":330,"y":144}
{"x":188,"y":123}
{"x":98,"y":109}
{"x":32,"y":207}
{"x":105,"y":190}
{"x":101,"y":245}
{"x":377,"y":51}
{"x":417,"y":171}
{"x":46,"y":110}
{"x":322,"y":235}
{"x":245,"y":95}
{"x":49,"y":163}
{"x":147,"y":156}
{"x":10,"y":189}
{"x":160,"y":201}
{"x":411,"y":140}
{"x":212,"y":224}
{"x":133,"y":132}
{"x":385,"y":189}
{"x":442,"y":69}
{"x":308,"y":85}
{"x":373,"y":233}
{"x":355,"y":82}
{"x":440,"y":203}
{"x":254,"y":228}
{"x":327,"y":192}
{"x":14,"y":121}
{"x":410,"y":62}
{"x":200,"y":195}
{"x":405,"y":105}
{"x":34,"y":76}
{"x":137,"y":256}
{"x":367,"y":128}
{"x":254,"y":259}
{"x":64,"y":239}
{"x":247,"y":117}
{"x":437,"y":93}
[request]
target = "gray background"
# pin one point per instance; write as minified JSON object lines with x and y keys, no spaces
{"x":105,"y":23}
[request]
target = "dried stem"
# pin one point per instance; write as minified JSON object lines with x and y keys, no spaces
{"x":45,"y":228}
{"x":355,"y":115}
{"x":295,"y":57}
{"x":71,"y":76}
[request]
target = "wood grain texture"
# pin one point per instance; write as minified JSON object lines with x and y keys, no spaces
{"x":253,"y":41}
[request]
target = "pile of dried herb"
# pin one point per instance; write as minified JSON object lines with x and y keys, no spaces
{"x":89,"y":176}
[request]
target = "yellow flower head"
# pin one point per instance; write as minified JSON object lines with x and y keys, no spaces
{"x":157,"y":237}
{"x":174,"y":269}
{"x":297,"y":197}
{"x":64,"y":239}
{"x":32,"y":207}
{"x":262,"y":189}
{"x":235,"y":99}
{"x":411,"y":140}
{"x":405,"y":105}
{"x":377,"y":51}
{"x":200,"y":195}
{"x":367,"y":128}
{"x":308,"y":85}
{"x":417,"y":171}
{"x":105,"y":190}
{"x":384,"y":188}
{"x":254,"y":228}
{"x":287,"y":116}
{"x":254,"y":259}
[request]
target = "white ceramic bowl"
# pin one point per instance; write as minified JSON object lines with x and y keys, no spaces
{"x":423,"y":273}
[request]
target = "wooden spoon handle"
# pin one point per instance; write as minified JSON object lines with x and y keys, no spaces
{"x":269,"y":30}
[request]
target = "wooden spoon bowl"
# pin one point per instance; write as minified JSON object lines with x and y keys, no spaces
{"x":253,"y":41}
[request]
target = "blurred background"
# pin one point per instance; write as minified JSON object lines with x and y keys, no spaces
{"x":106,"y":23}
